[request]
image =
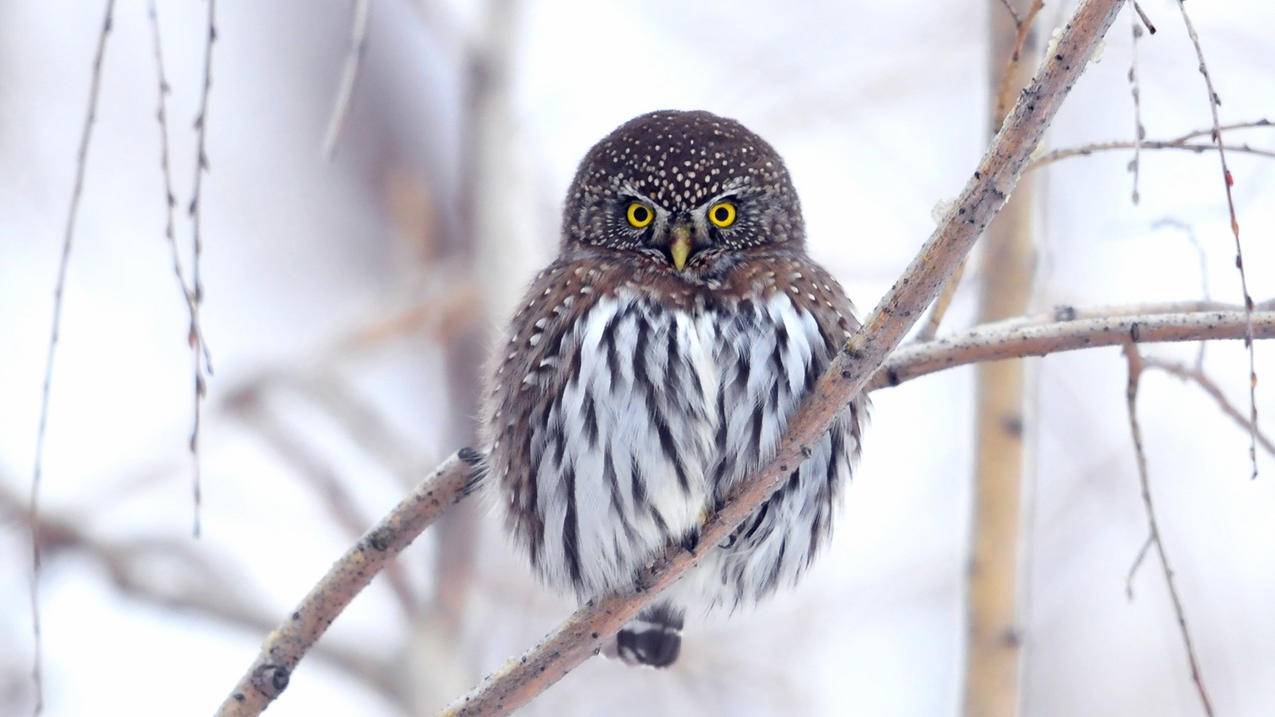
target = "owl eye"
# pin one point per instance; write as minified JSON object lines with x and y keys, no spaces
{"x":722,"y":214}
{"x":640,"y":215}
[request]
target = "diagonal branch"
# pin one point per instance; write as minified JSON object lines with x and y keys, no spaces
{"x":581,"y":636}
{"x":997,"y":174}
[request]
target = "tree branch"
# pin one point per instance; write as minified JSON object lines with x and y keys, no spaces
{"x":59,"y":286}
{"x":1154,"y":538}
{"x":582,"y":635}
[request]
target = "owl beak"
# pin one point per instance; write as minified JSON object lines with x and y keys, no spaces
{"x":680,"y":247}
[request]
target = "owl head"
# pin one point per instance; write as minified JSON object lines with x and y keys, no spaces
{"x":686,"y":189}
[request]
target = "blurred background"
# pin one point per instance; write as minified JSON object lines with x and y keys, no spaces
{"x":349,"y":304}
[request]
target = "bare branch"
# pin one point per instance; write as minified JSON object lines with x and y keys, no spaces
{"x":68,"y":235}
{"x":1228,"y":180}
{"x":268,"y":676}
{"x":1179,"y":143}
{"x":1155,"y":539}
{"x":1197,"y":376}
{"x":582,"y":634}
{"x":349,"y":74}
{"x":194,"y":335}
{"x":1006,"y":340}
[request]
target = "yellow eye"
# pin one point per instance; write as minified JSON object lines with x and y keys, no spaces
{"x":640,"y":215}
{"x":722,"y":214}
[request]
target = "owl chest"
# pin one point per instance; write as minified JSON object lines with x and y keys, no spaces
{"x":655,"y":412}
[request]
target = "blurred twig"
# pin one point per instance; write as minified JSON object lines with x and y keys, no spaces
{"x":1156,"y":541}
{"x":68,"y":235}
{"x":287,"y":644}
{"x":196,"y":584}
{"x":1196,"y":375}
{"x":251,"y":407}
{"x":349,"y":73}
{"x":1228,"y":181}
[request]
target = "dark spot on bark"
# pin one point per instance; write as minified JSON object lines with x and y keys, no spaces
{"x":469,"y":455}
{"x":893,"y":377}
{"x":296,"y":615}
{"x":238,"y":697}
{"x":380,"y":538}
{"x":1013,"y":425}
{"x":1010,"y":638}
{"x":1135,"y":332}
{"x":1064,"y":313}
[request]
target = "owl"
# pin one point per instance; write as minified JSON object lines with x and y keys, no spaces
{"x":654,"y":364}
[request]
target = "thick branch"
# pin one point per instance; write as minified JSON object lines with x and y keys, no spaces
{"x":283,"y":649}
{"x":582,"y":635}
{"x":1022,"y":339}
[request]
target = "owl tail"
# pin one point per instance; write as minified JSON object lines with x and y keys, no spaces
{"x":653,"y":638}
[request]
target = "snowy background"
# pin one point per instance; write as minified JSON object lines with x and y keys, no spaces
{"x":347,"y":303}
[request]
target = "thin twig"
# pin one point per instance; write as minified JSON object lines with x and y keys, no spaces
{"x":1197,"y":376}
{"x":1143,"y":17}
{"x":1228,"y":180}
{"x":1134,"y":361}
{"x":1134,"y":566}
{"x":1096,"y":147}
{"x":1023,"y":28}
{"x":194,"y":333}
{"x":349,"y":74}
{"x":68,"y":235}
{"x":195,"y":210}
{"x":269,"y":674}
{"x":1139,"y":131}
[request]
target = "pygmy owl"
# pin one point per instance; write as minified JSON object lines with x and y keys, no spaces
{"x":655,"y":363}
